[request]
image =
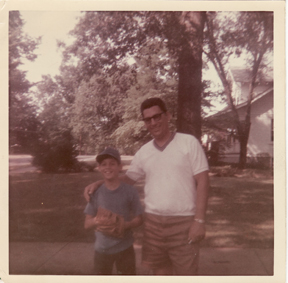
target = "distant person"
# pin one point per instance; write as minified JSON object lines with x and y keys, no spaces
{"x":176,"y":189}
{"x":109,"y":213}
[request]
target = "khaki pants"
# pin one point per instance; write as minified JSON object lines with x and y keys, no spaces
{"x":165,"y":244}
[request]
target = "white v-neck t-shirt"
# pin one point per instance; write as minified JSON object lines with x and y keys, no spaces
{"x":170,"y":188}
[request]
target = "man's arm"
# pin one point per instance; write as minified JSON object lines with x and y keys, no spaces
{"x":88,"y":191}
{"x":197,"y":230}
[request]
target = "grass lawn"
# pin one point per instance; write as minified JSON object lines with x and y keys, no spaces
{"x":49,"y":207}
{"x":240,"y":213}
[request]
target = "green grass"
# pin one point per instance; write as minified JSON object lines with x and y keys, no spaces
{"x":240,"y":213}
{"x":49,"y":207}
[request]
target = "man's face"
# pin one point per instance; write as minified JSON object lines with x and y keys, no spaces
{"x":110,"y":168}
{"x":156,"y":121}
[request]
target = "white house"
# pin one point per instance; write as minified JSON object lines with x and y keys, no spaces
{"x":260,"y":143}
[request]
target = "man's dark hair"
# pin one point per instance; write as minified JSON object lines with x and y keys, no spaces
{"x":154,"y":101}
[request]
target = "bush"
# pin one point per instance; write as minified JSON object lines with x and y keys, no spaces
{"x":224,"y":171}
{"x":57,"y":154}
{"x":262,"y":160}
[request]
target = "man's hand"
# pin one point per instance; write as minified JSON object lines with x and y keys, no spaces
{"x":89,"y":190}
{"x":197,"y":232}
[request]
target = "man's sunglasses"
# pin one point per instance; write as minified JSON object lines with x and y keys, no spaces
{"x":155,"y":117}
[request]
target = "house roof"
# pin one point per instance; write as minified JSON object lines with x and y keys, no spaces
{"x":244,"y":75}
{"x":227,"y":109}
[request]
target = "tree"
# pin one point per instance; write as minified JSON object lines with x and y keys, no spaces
{"x":22,"y":117}
{"x":94,"y":76}
{"x":183,"y":33}
{"x":104,"y":40}
{"x":97,"y":111}
{"x":250,"y":32}
{"x":54,"y":150}
{"x":154,"y":74}
{"x":190,"y":72}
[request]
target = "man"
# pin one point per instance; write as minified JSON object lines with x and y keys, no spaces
{"x":176,"y":192}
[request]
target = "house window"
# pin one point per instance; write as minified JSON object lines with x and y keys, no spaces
{"x":229,"y":140}
{"x":231,"y":137}
{"x":272,"y":129}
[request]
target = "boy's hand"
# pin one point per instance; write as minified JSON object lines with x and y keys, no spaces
{"x":135,"y":222}
{"x":90,"y":189}
{"x":109,"y":223}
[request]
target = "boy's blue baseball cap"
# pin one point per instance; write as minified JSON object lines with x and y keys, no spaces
{"x":109,"y":151}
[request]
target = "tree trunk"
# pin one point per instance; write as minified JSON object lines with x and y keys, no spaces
{"x":243,"y":140}
{"x":190,"y":75}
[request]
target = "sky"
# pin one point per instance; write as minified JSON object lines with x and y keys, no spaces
{"x":51,"y":26}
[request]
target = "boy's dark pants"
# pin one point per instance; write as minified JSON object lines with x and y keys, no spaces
{"x":124,"y":260}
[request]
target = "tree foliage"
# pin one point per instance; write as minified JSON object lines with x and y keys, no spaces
{"x":22,"y":117}
{"x":154,"y":75}
{"x":106,"y":90}
{"x":97,"y":111}
{"x":183,"y":34}
{"x":54,"y":150}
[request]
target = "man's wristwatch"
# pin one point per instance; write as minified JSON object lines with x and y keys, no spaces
{"x":199,"y":220}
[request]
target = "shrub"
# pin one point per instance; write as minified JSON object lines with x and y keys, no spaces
{"x":262,"y":160}
{"x":224,"y":171}
{"x":56,"y":154}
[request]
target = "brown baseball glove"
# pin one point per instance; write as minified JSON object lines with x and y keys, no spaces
{"x":109,"y":223}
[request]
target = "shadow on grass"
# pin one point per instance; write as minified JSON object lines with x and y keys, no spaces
{"x":49,"y":208}
{"x":240,"y":213}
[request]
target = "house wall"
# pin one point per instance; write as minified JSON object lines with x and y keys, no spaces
{"x":245,"y":92}
{"x":260,"y":131}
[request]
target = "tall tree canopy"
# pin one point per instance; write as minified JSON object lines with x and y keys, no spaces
{"x":22,"y":119}
{"x":100,"y":80}
{"x":120,"y":58}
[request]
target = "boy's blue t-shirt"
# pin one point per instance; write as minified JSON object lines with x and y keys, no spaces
{"x":123,"y":201}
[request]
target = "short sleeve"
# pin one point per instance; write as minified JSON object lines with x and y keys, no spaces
{"x":135,"y":171}
{"x":198,"y":158}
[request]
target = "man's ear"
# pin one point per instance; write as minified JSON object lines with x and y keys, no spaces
{"x":146,"y":126}
{"x":168,"y":116}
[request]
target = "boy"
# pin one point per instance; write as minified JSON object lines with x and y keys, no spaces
{"x":119,"y":200}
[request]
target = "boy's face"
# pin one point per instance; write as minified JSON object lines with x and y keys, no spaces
{"x":110,"y":168}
